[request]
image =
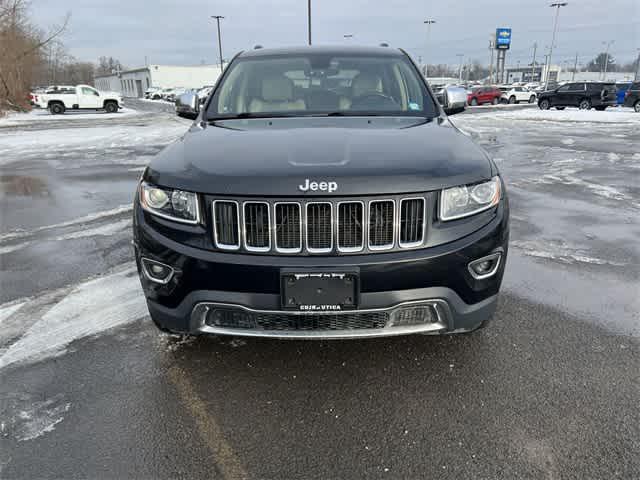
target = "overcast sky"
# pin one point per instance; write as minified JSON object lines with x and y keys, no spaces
{"x":182,"y":32}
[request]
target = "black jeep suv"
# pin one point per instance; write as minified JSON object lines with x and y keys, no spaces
{"x":583,"y":95}
{"x":321,"y":193}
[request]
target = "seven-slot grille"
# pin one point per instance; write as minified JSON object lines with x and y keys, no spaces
{"x":318,"y":227}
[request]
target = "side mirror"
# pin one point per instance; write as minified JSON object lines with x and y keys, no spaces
{"x":187,"y":104}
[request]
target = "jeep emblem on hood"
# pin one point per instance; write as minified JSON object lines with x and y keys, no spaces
{"x":315,"y":186}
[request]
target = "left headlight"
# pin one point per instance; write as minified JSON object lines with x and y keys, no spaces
{"x":466,"y":200}
{"x":176,"y":205}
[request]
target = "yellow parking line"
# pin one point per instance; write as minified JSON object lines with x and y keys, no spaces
{"x":208,"y":428}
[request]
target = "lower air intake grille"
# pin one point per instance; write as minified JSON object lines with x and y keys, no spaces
{"x":256,"y":225}
{"x":282,"y":321}
{"x":319,"y":227}
{"x":411,"y":221}
{"x":381,"y":220}
{"x":227,"y":227}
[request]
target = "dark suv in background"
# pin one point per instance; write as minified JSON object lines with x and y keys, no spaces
{"x":583,"y":95}
{"x":632,"y":97}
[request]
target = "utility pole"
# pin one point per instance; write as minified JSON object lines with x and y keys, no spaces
{"x":491,"y":49}
{"x":428,"y":22}
{"x":575,"y":67}
{"x":557,"y":6}
{"x":218,"y":18}
{"x":635,"y":75}
{"x":533,"y":62}
{"x":606,"y":58}
{"x":309,"y":19}
{"x":461,"y":55}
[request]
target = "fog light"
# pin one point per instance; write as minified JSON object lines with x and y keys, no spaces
{"x":485,"y":267}
{"x":414,"y":315}
{"x":157,"y":272}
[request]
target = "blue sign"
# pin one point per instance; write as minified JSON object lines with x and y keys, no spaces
{"x":503,"y":38}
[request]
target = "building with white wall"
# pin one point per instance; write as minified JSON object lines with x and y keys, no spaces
{"x":133,"y":83}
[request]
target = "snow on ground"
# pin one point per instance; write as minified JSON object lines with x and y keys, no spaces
{"x":611,"y":115}
{"x":44,"y":145}
{"x":40,"y":114}
{"x":80,"y":311}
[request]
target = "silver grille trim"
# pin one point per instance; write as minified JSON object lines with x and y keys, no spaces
{"x":379,"y":238}
{"x":217,"y":217}
{"x":319,"y":226}
{"x":315,"y":226}
{"x":341,"y":227}
{"x":277,"y":224}
{"x":251,"y":233}
{"x":418,"y":220}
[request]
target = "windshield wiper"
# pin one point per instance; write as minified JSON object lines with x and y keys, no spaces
{"x":244,"y":115}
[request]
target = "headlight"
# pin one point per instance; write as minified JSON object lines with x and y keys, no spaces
{"x":458,"y":202}
{"x":175,"y":205}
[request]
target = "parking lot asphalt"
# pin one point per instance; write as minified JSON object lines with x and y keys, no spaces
{"x":550,"y":389}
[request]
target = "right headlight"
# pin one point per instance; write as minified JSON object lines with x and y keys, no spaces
{"x":459,"y":202}
{"x":176,"y":205}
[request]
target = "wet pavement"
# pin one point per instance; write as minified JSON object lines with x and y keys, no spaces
{"x":549,"y":389}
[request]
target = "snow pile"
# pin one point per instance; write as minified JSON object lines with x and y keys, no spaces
{"x":39,"y":114}
{"x":611,"y":115}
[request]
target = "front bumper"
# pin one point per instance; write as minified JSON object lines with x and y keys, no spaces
{"x":436,"y":277}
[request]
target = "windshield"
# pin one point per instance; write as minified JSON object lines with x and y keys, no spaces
{"x":317,"y":84}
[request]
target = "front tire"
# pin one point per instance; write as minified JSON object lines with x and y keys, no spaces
{"x":512,"y":99}
{"x":636,"y":106}
{"x":474,"y":102}
{"x":532,"y":98}
{"x":585,"y":104}
{"x":111,"y":107}
{"x":495,"y":101}
{"x":544,"y":104}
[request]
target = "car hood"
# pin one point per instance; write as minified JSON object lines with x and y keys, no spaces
{"x":362,"y":155}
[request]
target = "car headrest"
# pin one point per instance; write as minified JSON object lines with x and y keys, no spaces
{"x":277,"y":88}
{"x":364,"y":83}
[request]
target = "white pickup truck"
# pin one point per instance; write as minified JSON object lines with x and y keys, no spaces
{"x":80,"y":97}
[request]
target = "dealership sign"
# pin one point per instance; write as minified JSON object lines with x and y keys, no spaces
{"x":503,"y":38}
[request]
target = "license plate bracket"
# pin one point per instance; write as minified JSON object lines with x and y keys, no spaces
{"x":319,"y":290}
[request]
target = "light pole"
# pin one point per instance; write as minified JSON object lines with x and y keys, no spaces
{"x":461,"y":55}
{"x":218,"y":18}
{"x":309,"y":19}
{"x":606,"y":58}
{"x":557,"y":6}
{"x":428,"y":22}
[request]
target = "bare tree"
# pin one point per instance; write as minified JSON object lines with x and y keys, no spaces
{"x":24,"y":50}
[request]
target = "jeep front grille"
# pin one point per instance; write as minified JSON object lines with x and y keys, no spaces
{"x":306,"y":227}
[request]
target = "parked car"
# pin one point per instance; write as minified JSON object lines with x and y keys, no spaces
{"x":517,"y":94}
{"x":632,"y":97}
{"x":80,"y":97}
{"x":149,"y":92}
{"x":161,"y":94}
{"x":281,"y":214}
{"x":480,"y":95}
{"x":583,"y":95}
{"x":175,"y":92}
{"x":621,"y":90}
{"x":452,"y":98}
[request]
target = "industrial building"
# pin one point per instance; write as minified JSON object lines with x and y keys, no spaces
{"x":133,"y":82}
